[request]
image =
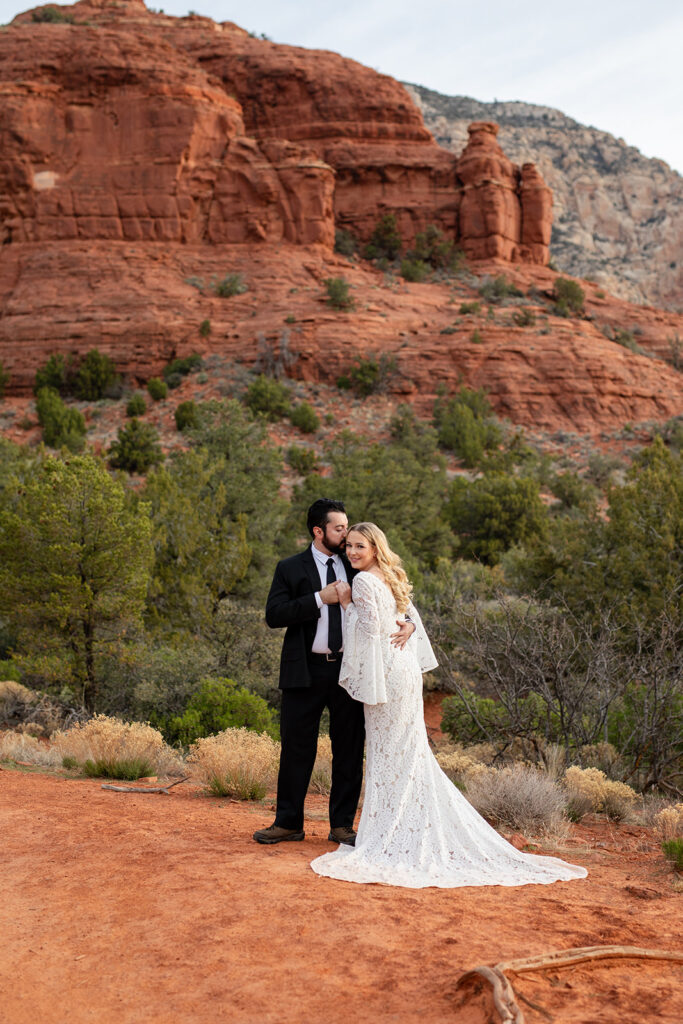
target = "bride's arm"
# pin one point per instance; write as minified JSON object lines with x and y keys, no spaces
{"x":362,"y":669}
{"x":423,"y":648}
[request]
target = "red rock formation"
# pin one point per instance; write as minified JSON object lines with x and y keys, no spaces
{"x":504,"y":213}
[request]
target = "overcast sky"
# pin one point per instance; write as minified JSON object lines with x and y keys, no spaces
{"x":613,"y":64}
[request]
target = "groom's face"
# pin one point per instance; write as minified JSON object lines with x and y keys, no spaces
{"x":332,"y":537}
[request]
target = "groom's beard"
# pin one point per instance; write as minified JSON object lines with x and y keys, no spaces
{"x":335,"y":547}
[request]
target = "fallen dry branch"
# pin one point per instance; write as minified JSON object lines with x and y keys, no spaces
{"x":503,"y":993}
{"x":145,"y":789}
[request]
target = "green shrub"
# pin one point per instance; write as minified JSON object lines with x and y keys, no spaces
{"x":136,"y":406}
{"x":62,"y":427}
{"x":338,"y":293}
{"x":569,"y":296}
{"x":232,"y":284}
{"x":370,"y":376}
{"x":136,"y":449}
{"x":438,"y":252}
{"x":305,"y":418}
{"x":495,"y":290}
{"x":220,"y":704}
{"x":51,"y":15}
{"x":450,"y":329}
{"x":344,"y":242}
{"x":267,"y":397}
{"x":179,"y":368}
{"x":524,"y":317}
{"x":157,"y":389}
{"x":302,"y":460}
{"x":186,"y":415}
{"x":205,"y":328}
{"x":414,"y":270}
{"x":470,"y":308}
{"x":124,"y":768}
{"x":673,"y":851}
{"x":465,"y":424}
{"x":493,"y":512}
{"x":53,"y":375}
{"x":4,"y":380}
{"x":626,"y":339}
{"x":385,"y":241}
{"x":476,"y":337}
{"x":94,"y":376}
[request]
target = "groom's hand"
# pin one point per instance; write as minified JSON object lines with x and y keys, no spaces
{"x":403,"y":634}
{"x":344,"y":592}
{"x":329,"y":594}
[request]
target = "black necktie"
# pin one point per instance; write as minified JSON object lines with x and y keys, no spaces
{"x":334,"y":635}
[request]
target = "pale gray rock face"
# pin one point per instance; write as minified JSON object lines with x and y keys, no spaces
{"x":618,"y":216}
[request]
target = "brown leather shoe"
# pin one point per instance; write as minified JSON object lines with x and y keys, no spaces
{"x":275,"y":834}
{"x":342,"y":834}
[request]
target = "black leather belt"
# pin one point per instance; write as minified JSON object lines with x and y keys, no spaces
{"x":326,"y":657}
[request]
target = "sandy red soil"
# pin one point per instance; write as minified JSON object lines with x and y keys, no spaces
{"x":143,"y":909}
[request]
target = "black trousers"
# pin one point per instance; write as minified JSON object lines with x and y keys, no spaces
{"x":299,"y":724}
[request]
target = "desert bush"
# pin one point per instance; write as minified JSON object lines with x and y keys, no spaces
{"x":19,"y":746}
{"x":414,"y":270}
{"x":590,"y":788}
{"x":436,"y":252}
{"x":673,"y":851}
{"x":186,"y":415}
{"x":338,"y":293}
{"x":236,"y":763}
{"x":370,"y":375}
{"x":178,"y":368}
{"x":622,"y":336}
{"x":569,"y":296}
{"x":524,"y":317}
{"x":231,"y":284}
{"x":157,"y":389}
{"x":669,"y":822}
{"x":321,"y":776}
{"x":205,"y":328}
{"x":490,"y":514}
{"x":95,"y":376}
{"x":51,"y":15}
{"x":62,"y":427}
{"x":302,"y":460}
{"x":470,"y":308}
{"x":385,"y":241}
{"x":268,"y":397}
{"x":137,"y":448}
{"x":466,"y":425}
{"x":128,"y":768}
{"x":345,"y":243}
{"x":675,"y":343}
{"x":110,"y":741}
{"x":305,"y":418}
{"x":136,"y":406}
{"x":220,"y":704}
{"x":496,"y":289}
{"x":460,"y":767}
{"x":520,"y":798}
{"x":4,"y":380}
{"x":55,"y":374}
{"x":15,"y":701}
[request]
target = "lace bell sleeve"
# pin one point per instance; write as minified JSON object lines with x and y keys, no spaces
{"x":420,"y":642}
{"x":362,"y":668}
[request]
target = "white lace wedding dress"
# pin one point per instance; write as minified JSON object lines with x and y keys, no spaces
{"x":416,"y":829}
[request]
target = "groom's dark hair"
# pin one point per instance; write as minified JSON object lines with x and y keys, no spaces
{"x":319,"y":511}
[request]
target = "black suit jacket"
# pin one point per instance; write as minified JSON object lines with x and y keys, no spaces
{"x":291,"y":604}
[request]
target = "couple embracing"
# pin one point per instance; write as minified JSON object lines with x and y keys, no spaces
{"x":354,"y":643}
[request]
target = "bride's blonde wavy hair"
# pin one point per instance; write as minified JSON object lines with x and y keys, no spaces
{"x":388,"y":562}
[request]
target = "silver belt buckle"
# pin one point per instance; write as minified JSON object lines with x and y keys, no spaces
{"x":331,"y":657}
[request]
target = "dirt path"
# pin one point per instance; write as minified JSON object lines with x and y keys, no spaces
{"x":125,"y":909}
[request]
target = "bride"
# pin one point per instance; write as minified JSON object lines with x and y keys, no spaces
{"x":416,"y":829}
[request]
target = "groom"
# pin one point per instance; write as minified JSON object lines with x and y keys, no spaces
{"x":304,"y":598}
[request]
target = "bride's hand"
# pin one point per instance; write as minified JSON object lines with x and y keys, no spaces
{"x":344,"y":592}
{"x":401,"y":637}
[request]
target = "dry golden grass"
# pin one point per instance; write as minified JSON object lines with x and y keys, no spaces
{"x":321,"y":777}
{"x":109,"y":740}
{"x":20,"y":746}
{"x":589,"y":789}
{"x":237,"y":763}
{"x":669,"y":822}
{"x":461,"y":767}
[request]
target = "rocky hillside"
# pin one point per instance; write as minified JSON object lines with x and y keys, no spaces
{"x":618,"y":215}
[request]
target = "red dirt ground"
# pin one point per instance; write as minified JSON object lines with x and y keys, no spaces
{"x":152,"y":909}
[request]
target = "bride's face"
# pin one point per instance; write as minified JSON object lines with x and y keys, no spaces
{"x":360,"y":552}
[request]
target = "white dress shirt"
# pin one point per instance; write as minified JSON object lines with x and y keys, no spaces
{"x":320,"y":642}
